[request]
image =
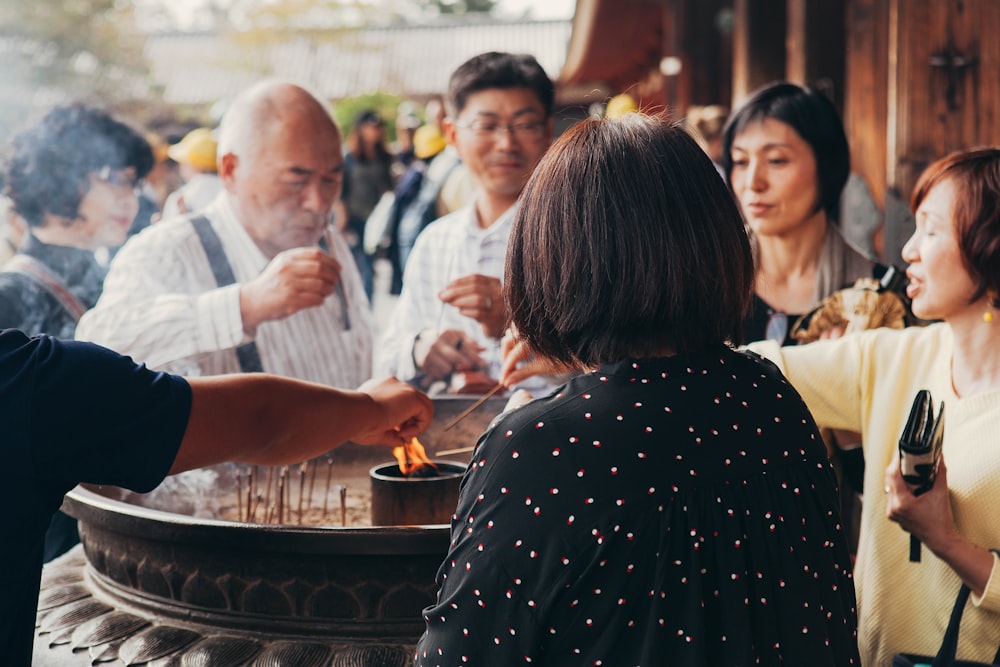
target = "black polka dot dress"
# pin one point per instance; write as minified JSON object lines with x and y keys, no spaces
{"x":676,"y":511}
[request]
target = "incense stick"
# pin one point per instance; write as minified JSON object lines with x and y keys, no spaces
{"x":449,"y":452}
{"x":465,"y":413}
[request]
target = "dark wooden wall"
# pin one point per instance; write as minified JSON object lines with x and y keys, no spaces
{"x":914,"y":79}
{"x":922,"y":81}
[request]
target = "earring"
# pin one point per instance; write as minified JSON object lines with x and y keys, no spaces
{"x":988,"y":316}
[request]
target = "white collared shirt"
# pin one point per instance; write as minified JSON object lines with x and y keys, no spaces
{"x":449,"y":248}
{"x":161,"y":306}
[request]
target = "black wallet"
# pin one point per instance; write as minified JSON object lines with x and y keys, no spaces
{"x":920,"y":443}
{"x":919,"y":449}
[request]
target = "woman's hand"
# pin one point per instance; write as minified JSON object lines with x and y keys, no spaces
{"x":928,"y":516}
{"x":520,"y":362}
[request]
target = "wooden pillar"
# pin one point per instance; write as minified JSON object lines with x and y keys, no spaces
{"x":706,"y":51}
{"x":816,"y":44}
{"x":759,"y":29}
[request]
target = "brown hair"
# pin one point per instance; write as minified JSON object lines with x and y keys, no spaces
{"x":627,"y":243}
{"x":975,"y":175}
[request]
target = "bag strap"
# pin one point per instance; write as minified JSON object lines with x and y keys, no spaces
{"x":44,"y":277}
{"x":248,"y":355}
{"x":949,"y":645}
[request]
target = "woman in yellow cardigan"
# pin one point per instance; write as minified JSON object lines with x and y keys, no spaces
{"x":866,"y":382}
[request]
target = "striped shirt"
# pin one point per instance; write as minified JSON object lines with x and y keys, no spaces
{"x":161,"y":306}
{"x":451,"y":247}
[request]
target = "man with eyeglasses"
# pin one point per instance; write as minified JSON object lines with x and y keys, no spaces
{"x":256,"y":280}
{"x":450,"y":315}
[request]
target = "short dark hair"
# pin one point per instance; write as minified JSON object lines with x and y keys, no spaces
{"x":812,"y":115}
{"x":498,"y":70}
{"x":975,"y":175}
{"x":627,"y":243}
{"x":47,"y":165}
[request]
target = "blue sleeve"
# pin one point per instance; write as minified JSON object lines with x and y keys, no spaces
{"x":92,"y":415}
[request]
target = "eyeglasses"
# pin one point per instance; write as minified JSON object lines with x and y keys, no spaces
{"x":529,"y":130}
{"x":122,"y":179}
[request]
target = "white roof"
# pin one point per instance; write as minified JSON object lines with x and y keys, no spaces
{"x":412,"y":61}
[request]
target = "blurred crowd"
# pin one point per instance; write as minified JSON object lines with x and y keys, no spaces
{"x":633,"y":260}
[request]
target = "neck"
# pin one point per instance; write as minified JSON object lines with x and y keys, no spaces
{"x":975,"y":365}
{"x":58,"y":232}
{"x":788,"y":256}
{"x":489,"y":208}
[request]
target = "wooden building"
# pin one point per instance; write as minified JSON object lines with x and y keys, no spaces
{"x":914,"y":79}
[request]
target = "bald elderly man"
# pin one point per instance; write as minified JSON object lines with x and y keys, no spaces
{"x":257,"y":280}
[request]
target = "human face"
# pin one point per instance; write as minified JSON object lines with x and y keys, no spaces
{"x":107,"y":210}
{"x":940,"y":286}
{"x":372,"y":133}
{"x":285,"y":185}
{"x":500,"y":161}
{"x":775,"y":179}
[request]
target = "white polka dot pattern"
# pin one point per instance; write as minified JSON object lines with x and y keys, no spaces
{"x":669,"y":511}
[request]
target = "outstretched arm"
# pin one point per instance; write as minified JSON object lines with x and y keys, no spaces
{"x":271,"y":420}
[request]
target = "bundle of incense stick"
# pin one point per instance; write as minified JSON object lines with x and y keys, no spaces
{"x":275,"y":502}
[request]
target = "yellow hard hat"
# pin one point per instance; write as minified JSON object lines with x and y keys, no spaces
{"x":619,"y":105}
{"x":428,"y":141}
{"x":197,"y":149}
{"x":158,"y":146}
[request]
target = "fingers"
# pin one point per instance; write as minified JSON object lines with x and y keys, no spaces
{"x":480,"y":298}
{"x":406,"y":411}
{"x":475,"y":296}
{"x":294,"y":280}
{"x":515,"y":355}
{"x":451,"y":351}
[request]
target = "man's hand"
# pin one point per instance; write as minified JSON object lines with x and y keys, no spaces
{"x":294,"y":280}
{"x":479,"y":297}
{"x":404,"y":412}
{"x":438,"y":357}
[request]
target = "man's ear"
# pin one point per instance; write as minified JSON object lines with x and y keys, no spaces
{"x":227,"y":167}
{"x":449,"y":130}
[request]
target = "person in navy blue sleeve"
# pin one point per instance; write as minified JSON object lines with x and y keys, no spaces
{"x":673,"y":503}
{"x":75,"y":412}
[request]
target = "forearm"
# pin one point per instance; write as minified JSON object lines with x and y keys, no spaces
{"x":269,"y":420}
{"x":973,"y":563}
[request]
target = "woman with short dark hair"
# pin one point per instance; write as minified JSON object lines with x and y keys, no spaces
{"x":786,"y":157}
{"x":674,"y":502}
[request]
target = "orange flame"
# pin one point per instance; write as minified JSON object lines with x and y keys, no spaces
{"x":412,"y":457}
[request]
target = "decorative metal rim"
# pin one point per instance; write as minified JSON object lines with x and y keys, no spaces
{"x":89,"y":506}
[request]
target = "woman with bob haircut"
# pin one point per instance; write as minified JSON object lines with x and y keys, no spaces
{"x":786,"y":157}
{"x":675,"y":499}
{"x":866,"y":382}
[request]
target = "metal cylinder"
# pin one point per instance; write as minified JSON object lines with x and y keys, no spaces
{"x":398,"y":500}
